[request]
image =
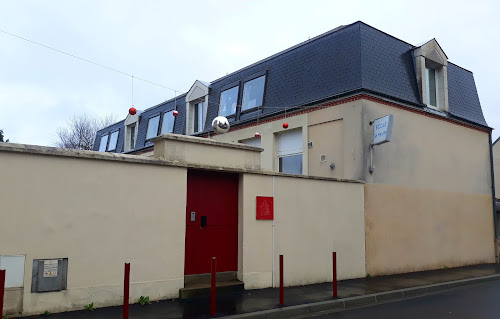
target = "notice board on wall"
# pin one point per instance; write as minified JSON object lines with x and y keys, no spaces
{"x":265,"y":208}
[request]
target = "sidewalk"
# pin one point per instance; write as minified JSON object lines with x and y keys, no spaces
{"x":266,"y":299}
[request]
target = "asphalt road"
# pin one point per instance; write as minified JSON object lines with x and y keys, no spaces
{"x":476,"y":302}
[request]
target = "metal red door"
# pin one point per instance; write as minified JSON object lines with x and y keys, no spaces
{"x":211,"y":222}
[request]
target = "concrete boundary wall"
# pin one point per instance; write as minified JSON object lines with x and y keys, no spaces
{"x":101,"y":210}
{"x":98,"y":214}
{"x":313,"y":218}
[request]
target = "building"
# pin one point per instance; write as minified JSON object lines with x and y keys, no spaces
{"x":328,"y":90}
{"x":168,"y":202}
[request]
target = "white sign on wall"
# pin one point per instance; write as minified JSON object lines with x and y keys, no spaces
{"x":382,"y":130}
{"x":50,"y":268}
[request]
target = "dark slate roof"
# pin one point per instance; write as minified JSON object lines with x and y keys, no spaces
{"x":110,"y":129}
{"x":387,"y":65}
{"x":348,"y":59}
{"x":141,"y":142}
{"x":462,"y":95}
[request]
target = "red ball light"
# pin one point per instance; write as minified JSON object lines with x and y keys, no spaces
{"x":132,"y":111}
{"x":175,"y":113}
{"x":285,"y":125}
{"x":257,"y":134}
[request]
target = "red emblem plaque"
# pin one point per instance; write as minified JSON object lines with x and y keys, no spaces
{"x":265,"y":208}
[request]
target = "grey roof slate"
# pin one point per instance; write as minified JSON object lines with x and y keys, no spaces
{"x":348,"y":59}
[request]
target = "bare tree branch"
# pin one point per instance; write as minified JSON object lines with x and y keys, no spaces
{"x":80,"y":131}
{"x":2,"y":137}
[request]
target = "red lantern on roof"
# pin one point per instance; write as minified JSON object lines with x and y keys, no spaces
{"x":257,"y":134}
{"x":285,"y":125}
{"x":175,"y":113}
{"x":132,"y":111}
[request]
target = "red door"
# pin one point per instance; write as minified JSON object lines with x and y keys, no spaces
{"x":211,"y":222}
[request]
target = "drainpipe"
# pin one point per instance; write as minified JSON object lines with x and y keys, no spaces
{"x":273,"y":285}
{"x":493,"y":188}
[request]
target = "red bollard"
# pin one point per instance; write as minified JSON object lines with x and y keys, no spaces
{"x":126,"y":289}
{"x":213,"y":309}
{"x":334,"y":275}
{"x":282,"y":297}
{"x":2,"y":289}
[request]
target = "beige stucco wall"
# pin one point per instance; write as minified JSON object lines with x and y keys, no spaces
{"x":268,"y":132}
{"x":496,"y":167}
{"x":313,"y":218}
{"x":99,"y":214}
{"x":203,"y":151}
{"x":342,"y":145}
{"x":428,"y":203}
{"x":13,"y":301}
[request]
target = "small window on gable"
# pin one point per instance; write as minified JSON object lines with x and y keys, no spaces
{"x":167,"y":126}
{"x":253,"y":93}
{"x":131,"y":136}
{"x":104,"y":143}
{"x":430,"y":74}
{"x":153,"y":127}
{"x":113,"y":140}
{"x":200,"y":114}
{"x":228,"y":102}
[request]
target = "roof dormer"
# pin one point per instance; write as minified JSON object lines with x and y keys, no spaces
{"x":432,"y":76}
{"x":131,"y":128}
{"x":196,"y":107}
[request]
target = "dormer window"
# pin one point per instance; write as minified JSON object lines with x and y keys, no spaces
{"x":131,"y":128}
{"x":196,"y":107}
{"x":200,"y":115}
{"x":131,"y":136}
{"x":432,"y":75}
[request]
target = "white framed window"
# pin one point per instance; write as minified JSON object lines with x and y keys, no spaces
{"x":104,"y":143}
{"x":113,"y":140}
{"x":228,"y":101}
{"x":153,"y":127}
{"x":430,"y":76}
{"x":167,"y":125}
{"x":131,"y":136}
{"x":200,"y":115}
{"x":253,"y":93}
{"x":14,"y":266}
{"x":290,"y":152}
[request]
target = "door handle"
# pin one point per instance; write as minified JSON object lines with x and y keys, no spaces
{"x":203,"y":221}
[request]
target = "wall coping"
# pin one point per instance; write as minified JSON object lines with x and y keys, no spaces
{"x":93,"y":155}
{"x":207,"y":141}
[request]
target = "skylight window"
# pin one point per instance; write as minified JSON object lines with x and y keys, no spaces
{"x":228,"y":102}
{"x":167,"y":126}
{"x":104,"y":143}
{"x":253,"y":93}
{"x":113,"y":141}
{"x":153,"y":127}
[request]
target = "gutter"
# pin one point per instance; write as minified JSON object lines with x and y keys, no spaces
{"x":493,"y":188}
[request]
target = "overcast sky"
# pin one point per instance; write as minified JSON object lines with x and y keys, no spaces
{"x":175,"y":43}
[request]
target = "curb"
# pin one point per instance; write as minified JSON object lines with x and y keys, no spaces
{"x":342,"y":304}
